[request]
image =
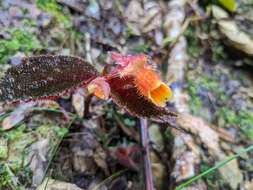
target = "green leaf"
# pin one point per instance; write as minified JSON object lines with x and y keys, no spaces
{"x":230,"y":5}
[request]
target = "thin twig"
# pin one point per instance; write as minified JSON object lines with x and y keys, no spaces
{"x":146,"y":157}
{"x":87,"y":106}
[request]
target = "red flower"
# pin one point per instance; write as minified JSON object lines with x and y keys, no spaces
{"x":146,"y":80}
{"x":136,"y":87}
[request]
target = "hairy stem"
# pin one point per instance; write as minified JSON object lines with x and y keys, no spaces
{"x":146,"y":156}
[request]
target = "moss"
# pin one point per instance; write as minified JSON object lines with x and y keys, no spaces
{"x":3,"y":148}
{"x":52,"y":132}
{"x":141,"y":48}
{"x":20,"y":40}
{"x":227,"y":117}
{"x":129,"y":31}
{"x":196,"y":47}
{"x":15,"y":133}
{"x":245,"y":120}
{"x":222,"y":113}
{"x":198,"y":100}
{"x":195,"y":104}
{"x":18,"y":143}
{"x":218,"y":52}
{"x":129,"y":122}
{"x":8,"y":179}
{"x":60,"y":132}
{"x":20,"y":140}
{"x":193,"y":48}
{"x":5,"y":179}
{"x":51,"y":7}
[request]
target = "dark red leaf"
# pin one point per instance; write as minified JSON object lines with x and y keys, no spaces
{"x":43,"y":76}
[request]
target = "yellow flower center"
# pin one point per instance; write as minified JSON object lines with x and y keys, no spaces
{"x":160,"y":95}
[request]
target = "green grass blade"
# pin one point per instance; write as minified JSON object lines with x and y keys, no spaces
{"x":109,"y":178}
{"x":219,"y":165}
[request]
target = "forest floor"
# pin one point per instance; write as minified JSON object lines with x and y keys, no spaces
{"x":80,"y":142}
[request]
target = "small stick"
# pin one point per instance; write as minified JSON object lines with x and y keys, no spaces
{"x":87,"y":106}
{"x":146,"y":157}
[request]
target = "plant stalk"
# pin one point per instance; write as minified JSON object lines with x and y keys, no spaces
{"x":146,"y":156}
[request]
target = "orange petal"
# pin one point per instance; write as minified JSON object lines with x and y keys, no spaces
{"x":146,"y":80}
{"x":160,"y":95}
{"x":99,"y":87}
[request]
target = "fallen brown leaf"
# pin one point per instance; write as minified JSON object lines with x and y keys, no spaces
{"x":51,"y":184}
{"x":17,"y":116}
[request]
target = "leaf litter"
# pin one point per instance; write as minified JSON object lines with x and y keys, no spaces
{"x":84,"y":157}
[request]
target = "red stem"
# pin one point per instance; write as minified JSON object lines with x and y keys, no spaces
{"x":146,"y":157}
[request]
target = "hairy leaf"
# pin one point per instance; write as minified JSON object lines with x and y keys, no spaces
{"x":43,"y":76}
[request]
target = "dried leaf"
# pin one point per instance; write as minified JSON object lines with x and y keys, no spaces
{"x":44,"y":76}
{"x":100,"y":159}
{"x":152,"y":18}
{"x":133,"y":12}
{"x":232,"y":174}
{"x":237,"y":38}
{"x":16,"y":116}
{"x":143,"y":19}
{"x":78,"y":101}
{"x":83,"y":148}
{"x":156,"y":138}
{"x":158,"y":170}
{"x":200,"y":128}
{"x":38,"y":156}
{"x":185,"y":166}
{"x":249,"y":185}
{"x":51,"y":184}
{"x":219,"y":13}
